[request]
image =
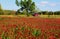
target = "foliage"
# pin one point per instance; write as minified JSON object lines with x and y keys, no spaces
{"x":28,"y":5}
{"x":1,"y":10}
{"x":36,"y":32}
{"x":4,"y":36}
{"x":57,"y":13}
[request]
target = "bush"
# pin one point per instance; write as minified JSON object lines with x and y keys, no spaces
{"x":50,"y":13}
{"x":1,"y":13}
{"x":36,"y":32}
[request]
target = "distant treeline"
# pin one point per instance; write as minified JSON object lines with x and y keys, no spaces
{"x":11,"y":12}
{"x":7,"y":12}
{"x":49,"y":13}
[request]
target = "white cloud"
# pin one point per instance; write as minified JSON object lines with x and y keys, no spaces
{"x":52,"y":4}
{"x":47,"y":3}
{"x":43,"y":3}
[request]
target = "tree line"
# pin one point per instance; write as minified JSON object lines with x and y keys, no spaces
{"x":49,"y":13}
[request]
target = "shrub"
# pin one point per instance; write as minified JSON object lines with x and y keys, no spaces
{"x":1,"y":13}
{"x":36,"y":32}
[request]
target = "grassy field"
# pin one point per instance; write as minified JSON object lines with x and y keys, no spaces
{"x":50,"y":16}
{"x":42,"y":16}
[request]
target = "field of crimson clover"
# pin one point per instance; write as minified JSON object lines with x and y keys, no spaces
{"x":29,"y":28}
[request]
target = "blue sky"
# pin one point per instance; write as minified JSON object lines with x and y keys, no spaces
{"x":49,"y":5}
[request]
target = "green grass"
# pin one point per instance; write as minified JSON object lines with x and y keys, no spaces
{"x":42,"y":16}
{"x":49,"y":16}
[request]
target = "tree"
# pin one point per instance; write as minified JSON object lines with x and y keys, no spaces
{"x":0,"y":7}
{"x":27,"y":5}
{"x":1,"y":10}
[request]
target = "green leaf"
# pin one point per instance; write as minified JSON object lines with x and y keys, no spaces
{"x":36,"y":32}
{"x":3,"y":35}
{"x":17,"y":3}
{"x":22,"y":28}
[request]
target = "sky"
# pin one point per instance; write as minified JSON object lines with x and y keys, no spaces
{"x":43,"y":5}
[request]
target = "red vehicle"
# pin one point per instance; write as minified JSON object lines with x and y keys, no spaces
{"x":35,"y":14}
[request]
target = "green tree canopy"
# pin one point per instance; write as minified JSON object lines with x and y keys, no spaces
{"x":1,"y":10}
{"x":28,"y":5}
{"x":0,"y":7}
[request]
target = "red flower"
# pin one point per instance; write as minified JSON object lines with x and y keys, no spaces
{"x":0,"y":38}
{"x":14,"y":26}
{"x":52,"y":37}
{"x":4,"y":28}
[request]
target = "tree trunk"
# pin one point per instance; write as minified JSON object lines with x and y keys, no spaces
{"x":27,"y":13}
